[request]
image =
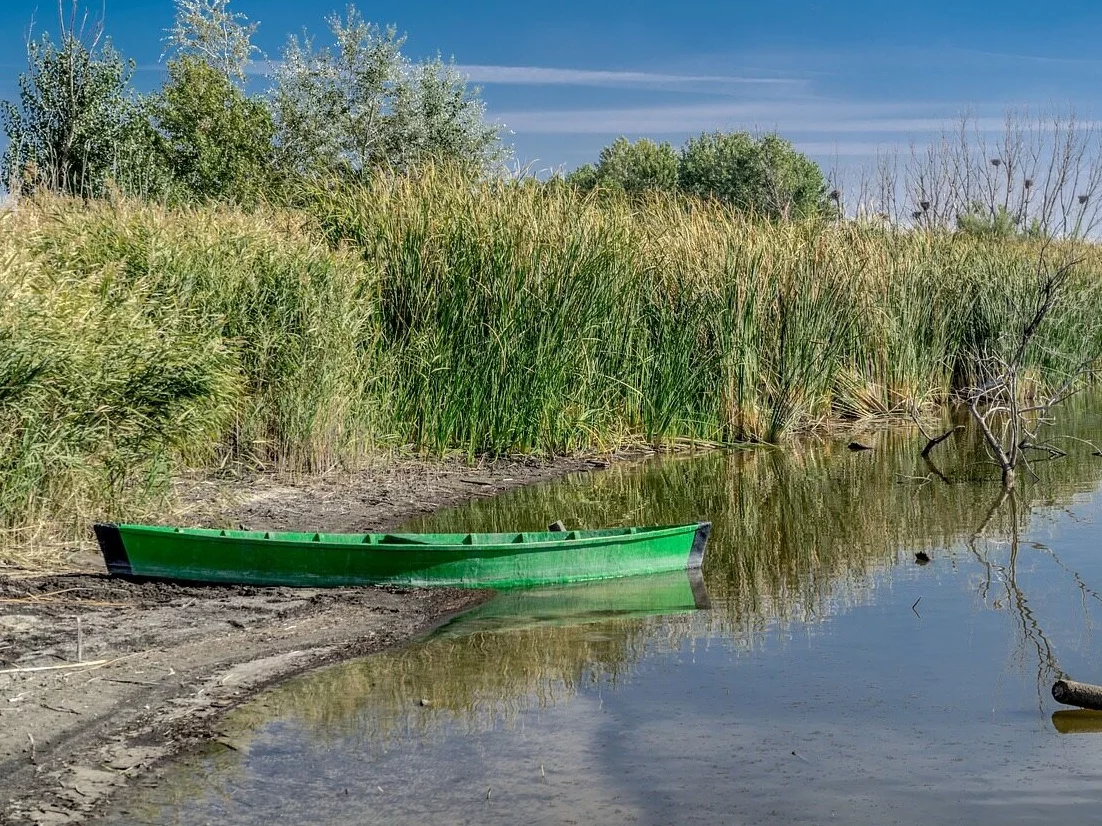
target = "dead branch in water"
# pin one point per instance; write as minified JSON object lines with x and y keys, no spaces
{"x":931,"y":441}
{"x":996,"y":404}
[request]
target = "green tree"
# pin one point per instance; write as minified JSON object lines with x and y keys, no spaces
{"x":213,"y":139}
{"x":360,"y":105}
{"x":584,"y":177}
{"x":434,"y":117}
{"x":215,"y":142}
{"x":77,"y":123}
{"x":638,"y":167}
{"x":765,"y":175}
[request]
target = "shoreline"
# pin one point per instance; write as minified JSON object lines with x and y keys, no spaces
{"x":154,"y":666}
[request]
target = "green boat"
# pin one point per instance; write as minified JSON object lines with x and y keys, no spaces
{"x":472,"y":560}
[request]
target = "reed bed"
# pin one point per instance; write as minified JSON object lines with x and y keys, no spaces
{"x":135,"y":341}
{"x":483,"y":318}
{"x":525,"y":318}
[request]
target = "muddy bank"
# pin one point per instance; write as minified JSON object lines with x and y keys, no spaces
{"x":87,"y":707}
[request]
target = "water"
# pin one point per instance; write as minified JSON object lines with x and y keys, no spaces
{"x":833,"y":678}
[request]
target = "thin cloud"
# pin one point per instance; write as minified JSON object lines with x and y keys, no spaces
{"x":548,"y":76}
{"x":842,"y":149}
{"x":788,"y":117}
{"x":1030,"y":58}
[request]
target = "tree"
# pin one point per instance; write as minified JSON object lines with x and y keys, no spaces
{"x":215,"y":141}
{"x":585,"y":177}
{"x":434,"y":117}
{"x":630,"y":167}
{"x":220,"y":38}
{"x":77,"y":119}
{"x":329,"y":103}
{"x":765,"y":175}
{"x":360,"y":105}
{"x":638,"y":167}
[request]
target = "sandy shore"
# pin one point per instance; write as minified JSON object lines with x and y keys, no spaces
{"x":84,"y":710}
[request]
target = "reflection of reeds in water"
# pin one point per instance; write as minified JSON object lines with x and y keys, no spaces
{"x":796,"y":533}
{"x":796,"y":530}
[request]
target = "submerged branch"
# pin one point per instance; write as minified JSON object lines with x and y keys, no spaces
{"x":934,"y":442}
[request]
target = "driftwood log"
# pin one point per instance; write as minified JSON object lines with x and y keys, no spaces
{"x":1084,"y":695}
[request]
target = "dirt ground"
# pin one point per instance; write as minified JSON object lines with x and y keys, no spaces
{"x":102,"y":679}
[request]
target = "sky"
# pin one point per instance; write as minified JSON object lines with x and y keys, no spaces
{"x":840,"y":79}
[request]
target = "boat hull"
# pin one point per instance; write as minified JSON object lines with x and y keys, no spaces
{"x":331,"y":560}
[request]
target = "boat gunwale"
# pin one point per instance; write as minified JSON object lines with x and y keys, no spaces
{"x":206,"y":544}
{"x":294,"y":539}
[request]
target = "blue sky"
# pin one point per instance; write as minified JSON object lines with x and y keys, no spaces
{"x":838,"y":78}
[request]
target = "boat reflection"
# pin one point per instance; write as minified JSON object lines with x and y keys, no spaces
{"x":563,"y":605}
{"x":1077,"y":721}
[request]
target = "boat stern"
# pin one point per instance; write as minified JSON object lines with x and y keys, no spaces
{"x":114,"y":551}
{"x":700,"y":540}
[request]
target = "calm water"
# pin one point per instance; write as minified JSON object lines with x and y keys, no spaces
{"x":832,"y":679}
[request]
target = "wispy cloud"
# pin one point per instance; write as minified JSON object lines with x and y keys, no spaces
{"x":1003,"y":57}
{"x":843,"y":149}
{"x":548,"y":76}
{"x":813,"y":115}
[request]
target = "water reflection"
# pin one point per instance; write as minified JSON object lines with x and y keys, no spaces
{"x":1077,"y":721}
{"x":523,"y":650}
{"x":564,"y":605}
{"x":800,"y":530}
{"x":809,"y":673}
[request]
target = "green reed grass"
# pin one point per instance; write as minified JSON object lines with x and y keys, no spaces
{"x":476,"y":317}
{"x":525,"y":318}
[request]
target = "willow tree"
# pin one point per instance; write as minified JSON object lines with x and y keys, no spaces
{"x":359,"y":105}
{"x":213,"y":35}
{"x":214,"y":139}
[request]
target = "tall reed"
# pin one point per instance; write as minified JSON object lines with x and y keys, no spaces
{"x":135,"y":341}
{"x":525,"y":318}
{"x":486,"y":317}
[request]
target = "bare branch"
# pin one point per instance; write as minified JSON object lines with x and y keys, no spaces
{"x":932,"y":443}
